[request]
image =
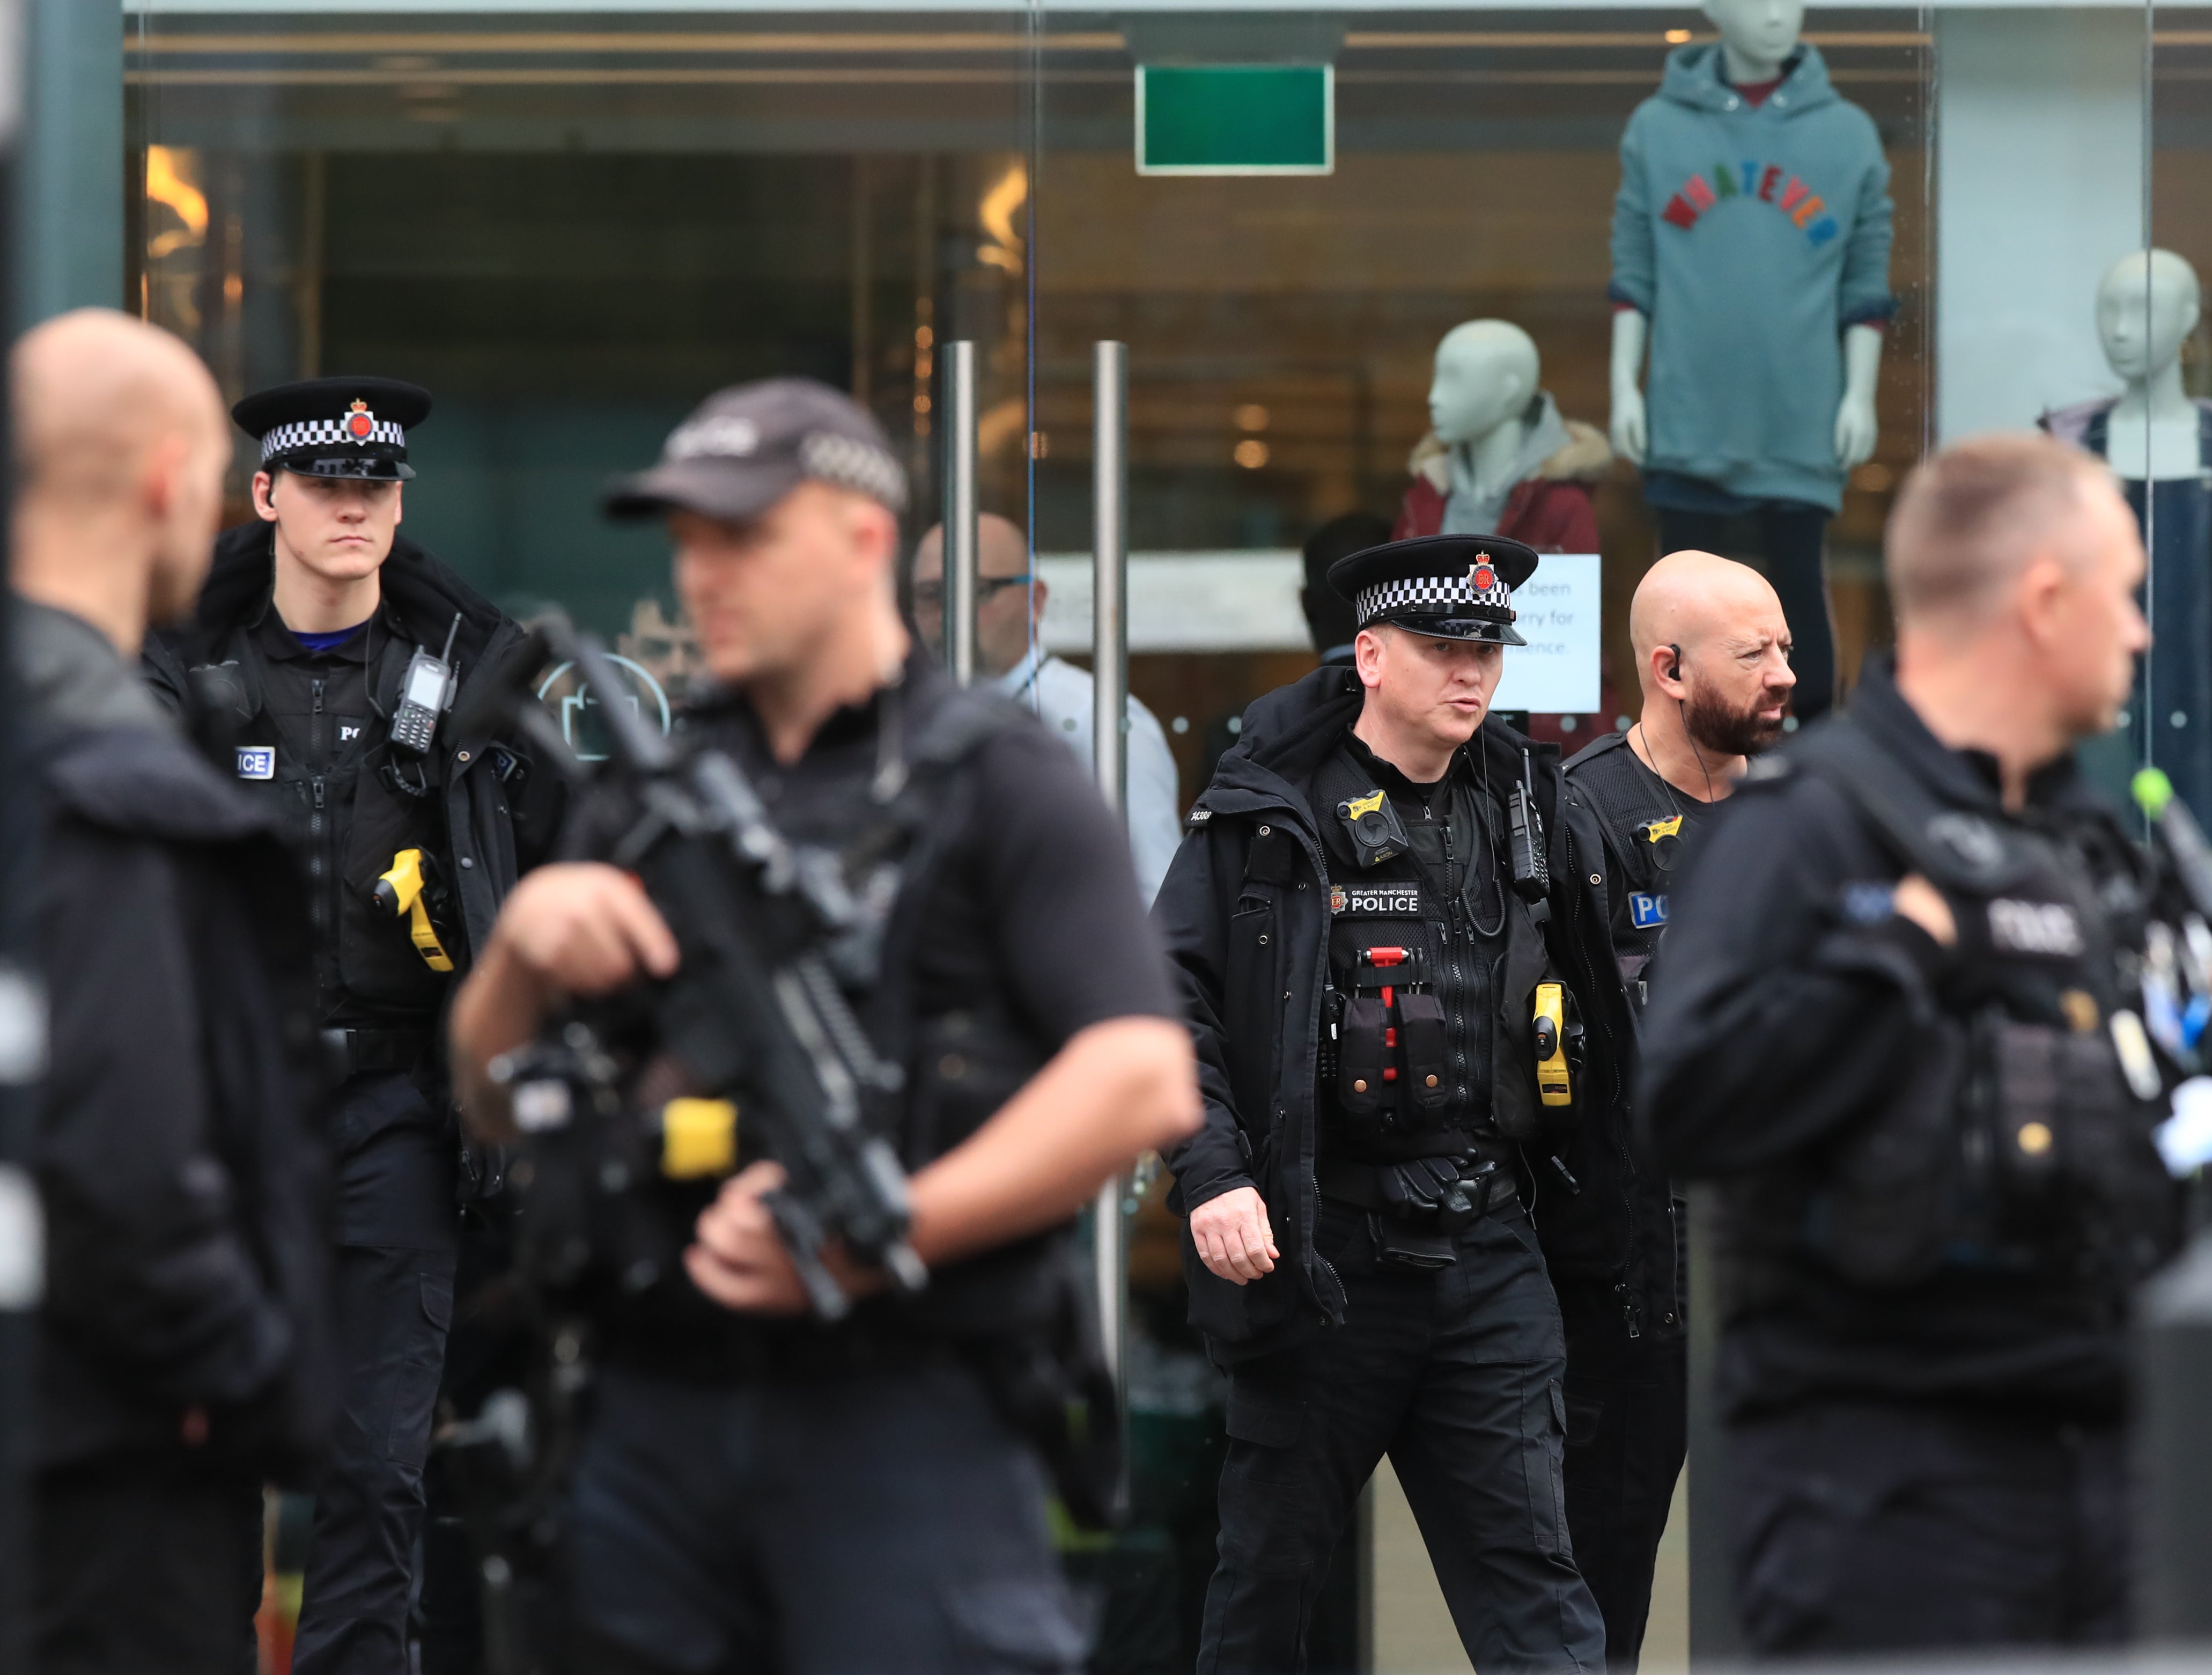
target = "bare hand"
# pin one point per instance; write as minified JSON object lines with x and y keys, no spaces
{"x":740,"y":1260}
{"x":1232,"y":1235}
{"x":584,"y":927}
{"x":1917,"y":899}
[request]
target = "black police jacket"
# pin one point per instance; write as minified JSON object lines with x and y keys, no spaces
{"x":1934,"y":1182}
{"x":184,"y":1182}
{"x":1245,"y":912}
{"x":489,"y":813}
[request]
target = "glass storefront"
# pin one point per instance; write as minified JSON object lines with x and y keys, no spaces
{"x":570,"y":223}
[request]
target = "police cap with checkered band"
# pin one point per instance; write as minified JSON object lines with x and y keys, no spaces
{"x":336,"y":426}
{"x":1448,"y":587}
{"x":746,"y":448}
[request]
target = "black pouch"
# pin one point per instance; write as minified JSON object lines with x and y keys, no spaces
{"x":1421,"y":1042}
{"x":1398,"y":1245}
{"x":2028,"y":1115}
{"x":1362,"y":1055}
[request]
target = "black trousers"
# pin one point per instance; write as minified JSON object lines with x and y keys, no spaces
{"x":398,"y":1232}
{"x":1788,"y":536}
{"x":1863,"y":1527}
{"x":1458,"y":1377}
{"x":1627,"y":1431}
{"x":877,"y":1523}
{"x":146,"y":1561}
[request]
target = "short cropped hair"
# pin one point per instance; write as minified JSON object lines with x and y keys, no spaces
{"x":1970,"y":517}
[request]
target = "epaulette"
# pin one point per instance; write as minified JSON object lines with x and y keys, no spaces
{"x":1198,"y":815}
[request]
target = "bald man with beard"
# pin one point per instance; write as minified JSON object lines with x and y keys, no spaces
{"x":183,"y":1355}
{"x":1712,"y":653}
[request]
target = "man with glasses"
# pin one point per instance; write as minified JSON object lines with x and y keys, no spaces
{"x":1010,"y":651}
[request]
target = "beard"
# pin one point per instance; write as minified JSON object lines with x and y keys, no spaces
{"x":1708,"y":720}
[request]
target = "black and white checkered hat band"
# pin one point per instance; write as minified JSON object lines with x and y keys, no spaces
{"x":853,"y":465}
{"x":327,"y":433}
{"x":1435,"y":595}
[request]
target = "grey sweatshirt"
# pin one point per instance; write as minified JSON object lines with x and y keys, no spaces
{"x":1750,"y":237}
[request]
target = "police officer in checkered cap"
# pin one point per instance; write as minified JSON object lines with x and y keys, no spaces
{"x":319,"y":625}
{"x":1411,"y":1034}
{"x":756,"y":1488}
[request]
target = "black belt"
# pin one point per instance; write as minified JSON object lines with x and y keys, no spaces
{"x":367,"y":1052}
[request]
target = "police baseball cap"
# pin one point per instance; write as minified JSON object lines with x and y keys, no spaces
{"x":748,"y":447}
{"x":336,"y":426}
{"x":1448,"y":587}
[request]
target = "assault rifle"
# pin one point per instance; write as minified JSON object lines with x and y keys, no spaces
{"x":753,"y":1024}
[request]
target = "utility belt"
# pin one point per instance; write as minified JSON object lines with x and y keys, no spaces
{"x":1416,"y":1210}
{"x":362,"y":1052}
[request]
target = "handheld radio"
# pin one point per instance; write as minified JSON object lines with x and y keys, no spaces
{"x":1532,"y":869}
{"x":424,"y":694}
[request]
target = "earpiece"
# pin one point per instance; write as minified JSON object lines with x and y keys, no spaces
{"x":1675,"y":669}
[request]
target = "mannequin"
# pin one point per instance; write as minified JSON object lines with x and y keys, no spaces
{"x":2159,"y":444}
{"x":1751,"y":258}
{"x":1499,"y":460}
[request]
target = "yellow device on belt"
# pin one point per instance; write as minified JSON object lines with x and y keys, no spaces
{"x":1552,"y":1084}
{"x":698,"y":1137}
{"x":400,"y":891}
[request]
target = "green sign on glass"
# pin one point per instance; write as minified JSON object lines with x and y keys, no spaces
{"x":1259,"y":118}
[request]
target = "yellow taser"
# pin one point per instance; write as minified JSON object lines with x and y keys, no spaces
{"x":698,"y":1138}
{"x":1553,"y":1085}
{"x":400,"y":891}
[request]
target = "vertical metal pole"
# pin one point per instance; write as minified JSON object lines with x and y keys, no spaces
{"x":1109,"y":721}
{"x":960,"y":510}
{"x":2173,"y":1467}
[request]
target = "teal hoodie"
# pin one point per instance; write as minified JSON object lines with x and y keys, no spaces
{"x":1750,"y":237}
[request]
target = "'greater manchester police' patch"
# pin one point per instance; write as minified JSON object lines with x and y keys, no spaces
{"x":1375,"y":899}
{"x":1646,"y":912}
{"x":257,"y":762}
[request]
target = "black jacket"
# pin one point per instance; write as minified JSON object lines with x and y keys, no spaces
{"x":179,"y":1161}
{"x":1795,"y":1020}
{"x":1244,"y":910}
{"x":492,"y":807}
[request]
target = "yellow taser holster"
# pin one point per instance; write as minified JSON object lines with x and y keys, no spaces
{"x":1553,"y":1085}
{"x":698,"y":1137}
{"x":400,"y":891}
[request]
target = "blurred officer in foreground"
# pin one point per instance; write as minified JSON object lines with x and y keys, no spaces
{"x":1712,"y":650}
{"x":1010,"y":599}
{"x":1385,"y":919}
{"x":321,"y":662}
{"x":1894,"y":1018}
{"x":184,"y":1349}
{"x":759,"y":1491}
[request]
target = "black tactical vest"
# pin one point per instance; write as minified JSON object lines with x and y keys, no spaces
{"x":2021,"y":1141}
{"x":1645,"y":830}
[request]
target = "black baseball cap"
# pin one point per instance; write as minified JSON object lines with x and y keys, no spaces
{"x":746,"y":448}
{"x":1448,"y":587}
{"x":336,"y":426}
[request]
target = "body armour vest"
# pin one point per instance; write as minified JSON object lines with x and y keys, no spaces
{"x":1646,"y":825}
{"x":1415,"y":940}
{"x":2020,"y":1139}
{"x":316,"y":739}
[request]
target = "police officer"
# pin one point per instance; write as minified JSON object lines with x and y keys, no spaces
{"x":756,"y":1490}
{"x":327,"y":648}
{"x":184,"y":1350}
{"x":1384,"y":918}
{"x":1898,"y":1018}
{"x":1712,"y":653}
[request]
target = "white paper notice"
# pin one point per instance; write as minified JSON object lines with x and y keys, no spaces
{"x":1556,"y":674}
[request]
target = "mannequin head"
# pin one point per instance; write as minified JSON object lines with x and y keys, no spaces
{"x":1487,"y":370}
{"x":2147,"y":304}
{"x":1757,"y":35}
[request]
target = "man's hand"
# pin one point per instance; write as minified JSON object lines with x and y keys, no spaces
{"x":584,"y":927}
{"x":740,"y":1260}
{"x":1917,"y":899}
{"x":1232,"y":1235}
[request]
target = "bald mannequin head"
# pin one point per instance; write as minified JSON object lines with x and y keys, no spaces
{"x":121,"y":442}
{"x":1005,"y":614}
{"x":1712,"y":654}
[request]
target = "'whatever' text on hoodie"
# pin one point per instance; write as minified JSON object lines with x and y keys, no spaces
{"x":1751,"y":236}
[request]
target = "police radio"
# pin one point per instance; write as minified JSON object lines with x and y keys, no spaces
{"x":1532,"y":869}
{"x":424,"y":695}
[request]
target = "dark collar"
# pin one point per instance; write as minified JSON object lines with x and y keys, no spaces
{"x":1388,"y":775}
{"x":851,"y":724}
{"x":1969,"y":778}
{"x":73,"y":676}
{"x":280,"y":643}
